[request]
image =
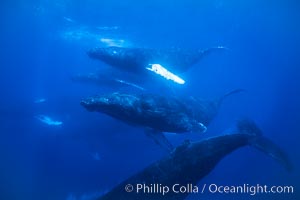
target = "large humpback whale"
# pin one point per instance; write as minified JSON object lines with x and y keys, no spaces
{"x":190,"y":162}
{"x":157,"y":113}
{"x":165,"y":62}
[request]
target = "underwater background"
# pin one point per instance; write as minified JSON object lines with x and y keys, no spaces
{"x":44,"y":42}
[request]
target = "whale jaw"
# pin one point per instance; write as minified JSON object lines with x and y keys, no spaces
{"x":117,"y":105}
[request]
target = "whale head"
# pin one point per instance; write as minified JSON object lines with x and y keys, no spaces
{"x":103,"y":53}
{"x":116,"y":105}
{"x":114,"y":56}
{"x":126,"y":59}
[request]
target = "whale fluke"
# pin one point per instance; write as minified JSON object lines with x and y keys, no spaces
{"x":211,"y":50}
{"x":236,"y":91}
{"x":262,"y":143}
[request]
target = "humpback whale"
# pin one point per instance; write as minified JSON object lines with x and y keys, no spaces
{"x":105,"y":80}
{"x":164,"y":62}
{"x":158,"y":113}
{"x":192,"y":161}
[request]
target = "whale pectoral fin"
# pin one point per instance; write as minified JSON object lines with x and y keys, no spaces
{"x":165,"y":73}
{"x":160,"y":139}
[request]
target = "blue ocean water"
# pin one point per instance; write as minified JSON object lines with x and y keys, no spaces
{"x":44,"y":43}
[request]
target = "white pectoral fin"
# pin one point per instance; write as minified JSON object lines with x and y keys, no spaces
{"x":160,"y":139}
{"x":203,"y":127}
{"x":162,"y":71}
{"x":129,"y":84}
{"x":47,"y":120}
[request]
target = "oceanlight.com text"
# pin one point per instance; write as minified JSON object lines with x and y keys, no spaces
{"x":248,"y":189}
{"x":157,"y":188}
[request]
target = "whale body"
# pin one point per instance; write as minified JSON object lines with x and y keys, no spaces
{"x":157,"y":113}
{"x":161,"y":113}
{"x":190,"y":162}
{"x":137,"y":60}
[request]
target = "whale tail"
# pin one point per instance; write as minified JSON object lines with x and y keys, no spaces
{"x":258,"y":141}
{"x":210,"y":50}
{"x":219,"y":101}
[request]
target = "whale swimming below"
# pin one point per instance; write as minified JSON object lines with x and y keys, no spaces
{"x":164,"y":62}
{"x":191,"y":162}
{"x":156,"y":113}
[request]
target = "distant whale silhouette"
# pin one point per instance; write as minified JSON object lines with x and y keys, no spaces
{"x":164,"y":62}
{"x":157,"y":113}
{"x":190,"y":162}
{"x":105,"y":80}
